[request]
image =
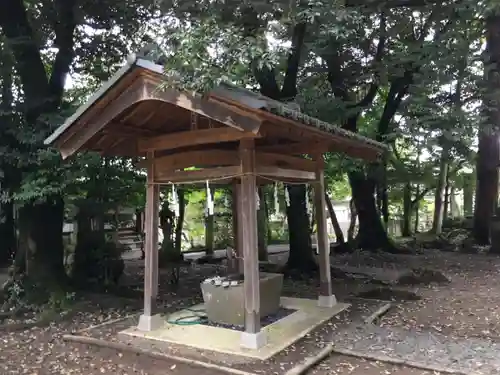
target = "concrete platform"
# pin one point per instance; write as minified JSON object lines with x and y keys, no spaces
{"x":280,"y":334}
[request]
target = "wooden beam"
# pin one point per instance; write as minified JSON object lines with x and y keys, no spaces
{"x":217,"y":157}
{"x":192,"y":138}
{"x":198,"y":175}
{"x":302,"y":148}
{"x":151,"y":243}
{"x":249,"y":237}
{"x":244,"y":121}
{"x":295,"y":148}
{"x":285,"y":161}
{"x":325,"y":290}
{"x":199,"y":159}
{"x":281,"y":173}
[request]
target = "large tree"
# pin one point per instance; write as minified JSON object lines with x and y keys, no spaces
{"x":47,"y":39}
{"x":371,"y":56}
{"x":489,"y":149}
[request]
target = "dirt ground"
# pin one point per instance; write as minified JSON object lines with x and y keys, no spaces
{"x":467,"y":307}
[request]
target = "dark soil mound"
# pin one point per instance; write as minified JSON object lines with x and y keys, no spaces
{"x":423,"y":276}
{"x":388,"y":294}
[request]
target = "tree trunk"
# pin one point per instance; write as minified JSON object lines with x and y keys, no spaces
{"x":339,"y":235}
{"x":167,"y":227}
{"x":209,"y":234}
{"x":352,"y":221}
{"x":116,"y":226}
{"x":262,"y":225}
{"x":90,"y":239}
{"x":41,"y":251}
{"x":407,"y":211}
{"x":40,"y":223}
{"x":269,"y":234}
{"x":488,"y":149}
{"x":8,"y":240}
{"x":486,"y":189}
{"x":181,"y":198}
{"x":301,"y":252}
{"x":372,"y":234}
{"x":468,"y":190}
{"x":138,"y":221}
{"x":417,"y":209}
{"x":437,"y":223}
{"x":447,"y":196}
{"x":454,"y":210}
{"x":7,"y":233}
{"x":382,"y":195}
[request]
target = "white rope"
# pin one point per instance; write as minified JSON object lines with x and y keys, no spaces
{"x":229,"y":177}
{"x":308,"y":204}
{"x":287,"y":197}
{"x":210,"y":202}
{"x":276,"y":200}
{"x":173,"y":201}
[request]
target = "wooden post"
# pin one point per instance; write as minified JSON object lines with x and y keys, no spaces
{"x":253,"y":337}
{"x":148,"y":321}
{"x":326,"y":297}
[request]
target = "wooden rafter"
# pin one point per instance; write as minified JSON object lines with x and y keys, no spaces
{"x":84,"y":133}
{"x":197,"y":104}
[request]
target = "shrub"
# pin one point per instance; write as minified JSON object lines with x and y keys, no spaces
{"x":99,"y":262}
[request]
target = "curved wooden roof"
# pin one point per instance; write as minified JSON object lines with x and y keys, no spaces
{"x":131,"y":115}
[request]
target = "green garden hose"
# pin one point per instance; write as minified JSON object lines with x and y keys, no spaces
{"x":198,"y":317}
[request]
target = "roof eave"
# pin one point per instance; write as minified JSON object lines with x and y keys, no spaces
{"x":132,"y":61}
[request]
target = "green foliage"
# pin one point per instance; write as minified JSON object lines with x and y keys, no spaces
{"x":98,"y":262}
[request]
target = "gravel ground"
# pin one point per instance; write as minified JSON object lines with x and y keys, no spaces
{"x":467,"y":355}
{"x":342,"y":365}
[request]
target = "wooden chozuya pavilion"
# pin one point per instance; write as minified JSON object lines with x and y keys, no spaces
{"x":234,"y":136}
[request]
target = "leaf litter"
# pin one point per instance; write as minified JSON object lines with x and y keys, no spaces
{"x":455,"y":325}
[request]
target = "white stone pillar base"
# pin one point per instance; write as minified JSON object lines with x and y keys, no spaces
{"x":253,"y":340}
{"x":148,"y":323}
{"x":327,"y":301}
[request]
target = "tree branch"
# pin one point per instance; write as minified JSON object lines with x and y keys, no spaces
{"x":19,"y":34}
{"x":266,"y":78}
{"x":289,"y":89}
{"x":424,"y":192}
{"x":399,"y":87}
{"x":372,"y":91}
{"x":421,"y":195}
{"x":64,"y":29}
